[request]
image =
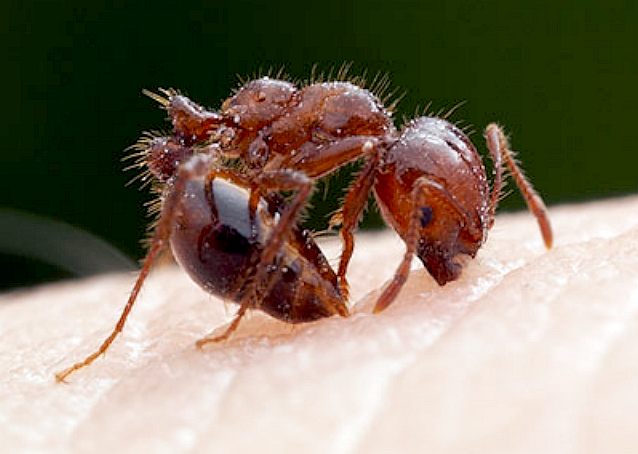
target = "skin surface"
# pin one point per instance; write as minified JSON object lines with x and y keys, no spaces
{"x":529,"y":351}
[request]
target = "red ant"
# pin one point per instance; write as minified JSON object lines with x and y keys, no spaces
{"x":220,"y":174}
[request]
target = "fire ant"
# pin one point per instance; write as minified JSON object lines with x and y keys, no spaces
{"x":220,"y":175}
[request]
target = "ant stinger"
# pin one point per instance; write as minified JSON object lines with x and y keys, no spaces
{"x":220,"y":173}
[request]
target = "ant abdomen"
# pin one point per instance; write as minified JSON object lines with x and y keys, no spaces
{"x":219,"y":242}
{"x":434,"y":172}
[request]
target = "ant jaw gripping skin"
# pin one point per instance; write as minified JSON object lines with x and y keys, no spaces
{"x":436,"y":155}
{"x":443,"y":262}
{"x":432,"y":188}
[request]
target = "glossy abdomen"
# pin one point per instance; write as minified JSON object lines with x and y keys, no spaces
{"x":219,"y":246}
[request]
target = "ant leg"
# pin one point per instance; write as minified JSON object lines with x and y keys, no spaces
{"x":156,"y":246}
{"x":158,"y":242}
{"x":260,"y":283}
{"x":318,"y":162}
{"x":283,"y":180}
{"x":497,"y":173}
{"x":423,"y":192}
{"x":227,"y":332}
{"x":349,"y":216}
{"x":498,"y":146}
{"x":235,"y":177}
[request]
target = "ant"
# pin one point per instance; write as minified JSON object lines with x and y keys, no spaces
{"x":220,"y":175}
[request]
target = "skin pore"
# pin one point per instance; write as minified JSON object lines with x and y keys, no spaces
{"x":529,"y":351}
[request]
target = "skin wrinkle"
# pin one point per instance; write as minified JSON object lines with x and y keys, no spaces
{"x":573,"y":273}
{"x":619,"y":345}
{"x":518,"y":355}
{"x":622,"y":331}
{"x":411,"y":359}
{"x":376,"y":406}
{"x":611,"y":341}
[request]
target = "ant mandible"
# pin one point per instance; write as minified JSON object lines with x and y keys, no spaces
{"x":271,"y":136}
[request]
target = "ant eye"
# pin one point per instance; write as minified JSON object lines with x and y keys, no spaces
{"x":426,"y":216}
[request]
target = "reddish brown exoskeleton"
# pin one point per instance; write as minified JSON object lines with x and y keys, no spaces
{"x":220,"y":174}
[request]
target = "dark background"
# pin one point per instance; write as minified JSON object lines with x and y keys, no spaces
{"x":562,"y":77}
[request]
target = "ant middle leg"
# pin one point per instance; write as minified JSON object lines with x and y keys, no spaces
{"x":317,"y":163}
{"x":283,"y":180}
{"x":350,"y":214}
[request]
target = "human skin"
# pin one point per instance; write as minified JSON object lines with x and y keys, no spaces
{"x":529,"y":351}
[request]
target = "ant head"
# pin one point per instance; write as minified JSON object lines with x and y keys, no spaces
{"x":258,"y":102}
{"x":432,"y":175}
{"x":442,"y":237}
{"x":443,"y":258}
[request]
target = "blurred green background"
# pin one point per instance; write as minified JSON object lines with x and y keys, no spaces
{"x":561,"y":76}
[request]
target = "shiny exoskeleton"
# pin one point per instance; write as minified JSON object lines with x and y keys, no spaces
{"x":271,"y":137}
{"x":219,"y":243}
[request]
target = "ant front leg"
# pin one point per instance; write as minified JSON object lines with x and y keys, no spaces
{"x":424,"y":192}
{"x":158,"y":243}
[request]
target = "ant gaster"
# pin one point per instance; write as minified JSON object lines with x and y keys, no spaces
{"x":220,"y":174}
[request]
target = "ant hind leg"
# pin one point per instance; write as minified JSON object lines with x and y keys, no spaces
{"x":499,"y":148}
{"x":158,"y":243}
